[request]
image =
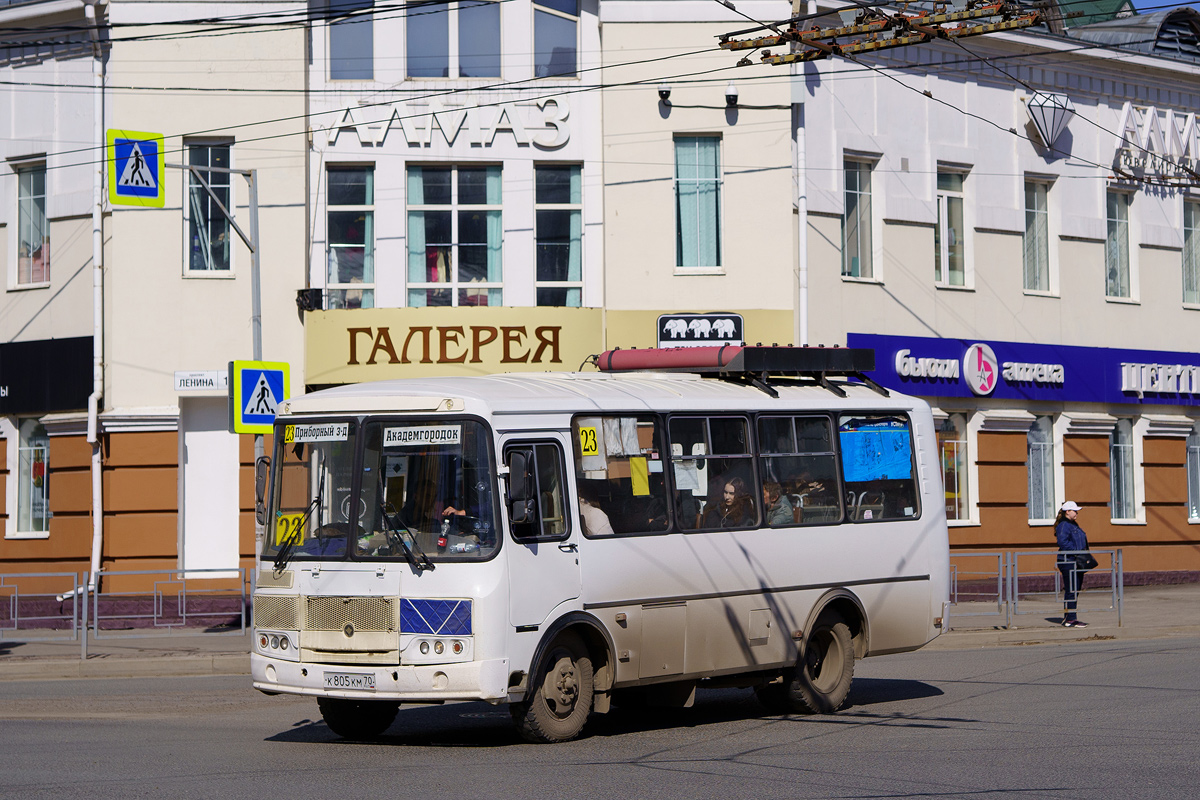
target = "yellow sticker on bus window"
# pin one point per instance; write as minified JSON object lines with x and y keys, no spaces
{"x":588,"y":442}
{"x":289,"y":434}
{"x":639,"y":474}
{"x":288,"y":525}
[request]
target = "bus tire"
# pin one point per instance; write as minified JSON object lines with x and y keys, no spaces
{"x":356,"y":719}
{"x":560,"y":698}
{"x":821,"y":679}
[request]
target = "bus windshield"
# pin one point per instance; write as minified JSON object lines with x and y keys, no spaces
{"x":430,"y":484}
{"x":311,"y":497}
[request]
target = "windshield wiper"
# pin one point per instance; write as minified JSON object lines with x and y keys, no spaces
{"x":285,"y":551}
{"x":413,"y":554}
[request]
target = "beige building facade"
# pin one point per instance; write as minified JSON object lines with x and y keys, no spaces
{"x":119,"y":321}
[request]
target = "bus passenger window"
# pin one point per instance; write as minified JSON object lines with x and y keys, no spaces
{"x":714,"y":473}
{"x":796,"y":454}
{"x":619,"y":473}
{"x":877,"y":467}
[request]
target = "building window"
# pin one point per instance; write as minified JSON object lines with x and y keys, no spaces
{"x":1191,"y":252}
{"x":33,"y":229}
{"x":1116,"y":246}
{"x":952,"y":444}
{"x":558,"y":193}
{"x":949,"y":255}
{"x":1120,"y":467}
{"x":856,"y":221}
{"x":1037,"y":237}
{"x":697,"y":201}
{"x":453,"y":40}
{"x":351,"y":235}
{"x":351,"y":40}
{"x":208,"y":227}
{"x":555,"y":38}
{"x":33,"y":489}
{"x":1040,"y":463}
{"x":1193,"y":473}
{"x":454,"y":236}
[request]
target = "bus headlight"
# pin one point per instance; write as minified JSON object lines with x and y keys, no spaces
{"x":424,"y":648}
{"x":438,"y":647}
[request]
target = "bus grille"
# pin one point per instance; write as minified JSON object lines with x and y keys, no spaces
{"x":276,"y":611}
{"x":364,"y":613}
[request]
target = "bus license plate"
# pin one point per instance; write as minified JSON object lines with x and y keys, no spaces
{"x":363,"y":681}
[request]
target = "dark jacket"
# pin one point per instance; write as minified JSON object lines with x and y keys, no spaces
{"x":1070,"y":536}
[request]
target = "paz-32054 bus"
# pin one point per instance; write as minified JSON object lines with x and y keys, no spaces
{"x":559,"y":542}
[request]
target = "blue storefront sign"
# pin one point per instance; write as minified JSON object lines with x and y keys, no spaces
{"x":932,"y":367}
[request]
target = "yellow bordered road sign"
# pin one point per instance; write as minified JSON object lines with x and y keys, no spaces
{"x":136,"y":169}
{"x":256,"y":389}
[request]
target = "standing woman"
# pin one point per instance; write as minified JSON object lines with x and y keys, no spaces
{"x":1070,"y":538}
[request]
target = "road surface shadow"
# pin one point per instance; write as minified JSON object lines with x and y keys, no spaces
{"x":483,"y":725}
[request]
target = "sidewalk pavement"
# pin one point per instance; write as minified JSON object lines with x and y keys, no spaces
{"x":1150,"y":612}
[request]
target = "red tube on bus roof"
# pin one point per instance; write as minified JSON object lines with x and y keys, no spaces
{"x":672,"y":358}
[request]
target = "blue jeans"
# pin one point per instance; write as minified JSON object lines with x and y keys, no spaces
{"x":1072,"y":580}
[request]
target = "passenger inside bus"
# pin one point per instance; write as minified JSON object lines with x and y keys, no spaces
{"x":595,"y":520}
{"x":778,"y":510}
{"x":733,"y":509}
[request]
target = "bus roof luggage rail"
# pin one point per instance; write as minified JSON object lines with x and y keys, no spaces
{"x":757,"y":366}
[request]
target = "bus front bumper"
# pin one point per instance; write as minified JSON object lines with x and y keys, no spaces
{"x":472,"y":680}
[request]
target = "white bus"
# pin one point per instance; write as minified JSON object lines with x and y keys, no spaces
{"x":563,"y":541}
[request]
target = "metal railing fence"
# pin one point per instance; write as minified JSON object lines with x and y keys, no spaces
{"x":1007,"y":584}
{"x":54,"y":609}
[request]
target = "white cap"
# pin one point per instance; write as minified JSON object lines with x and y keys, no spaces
{"x":1070,"y":505}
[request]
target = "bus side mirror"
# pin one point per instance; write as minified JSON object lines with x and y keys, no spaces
{"x":520,"y":487}
{"x":262,"y":471}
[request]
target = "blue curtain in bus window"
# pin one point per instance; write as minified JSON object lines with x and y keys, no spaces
{"x":875,"y":449}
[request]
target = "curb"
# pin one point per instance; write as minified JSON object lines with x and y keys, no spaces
{"x":143,"y":666}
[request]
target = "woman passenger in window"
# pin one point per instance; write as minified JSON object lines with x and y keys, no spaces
{"x":736,"y":509}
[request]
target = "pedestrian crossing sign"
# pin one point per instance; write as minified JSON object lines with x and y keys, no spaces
{"x":136,"y":169}
{"x":256,"y":388}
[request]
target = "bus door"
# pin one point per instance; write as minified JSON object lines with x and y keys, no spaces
{"x":543,"y":556}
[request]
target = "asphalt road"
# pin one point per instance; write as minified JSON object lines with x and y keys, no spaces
{"x":1104,"y":718}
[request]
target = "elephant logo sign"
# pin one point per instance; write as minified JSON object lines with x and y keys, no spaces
{"x":699,"y":330}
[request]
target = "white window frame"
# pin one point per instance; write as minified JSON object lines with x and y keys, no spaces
{"x":1050,"y":471}
{"x":368,"y":246}
{"x":867,"y":163}
{"x":537,"y":8}
{"x":700,"y":269}
{"x":1046,"y":184}
{"x":454,"y":285}
{"x":214,"y":179}
{"x":970,"y":442}
{"x":19,"y":168}
{"x":942,"y":246}
{"x":1123,"y":242}
{"x":453,"y":42}
{"x":1137,"y":478}
{"x":1191,"y":250}
{"x":10,"y":431}
{"x":1193,"y":474}
{"x":576,"y":208}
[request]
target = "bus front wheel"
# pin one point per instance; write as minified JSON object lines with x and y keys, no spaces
{"x":560,"y":697}
{"x":820,"y":681}
{"x":353,"y":719}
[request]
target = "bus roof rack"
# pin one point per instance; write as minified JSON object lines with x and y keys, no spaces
{"x":758,"y":366}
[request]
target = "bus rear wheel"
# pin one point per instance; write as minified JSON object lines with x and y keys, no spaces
{"x":355,"y":719}
{"x":820,"y":681}
{"x":560,"y":696}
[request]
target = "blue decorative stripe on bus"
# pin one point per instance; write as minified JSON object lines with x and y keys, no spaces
{"x":436,"y":617}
